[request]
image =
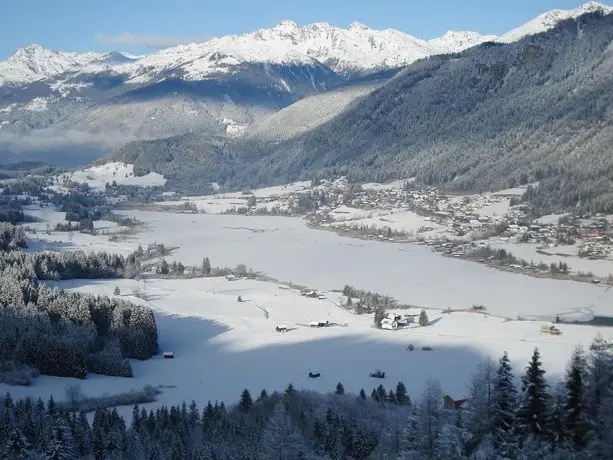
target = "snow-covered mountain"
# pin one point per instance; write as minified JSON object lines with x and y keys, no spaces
{"x":219,"y":86}
{"x":356,"y":49}
{"x":550,"y":19}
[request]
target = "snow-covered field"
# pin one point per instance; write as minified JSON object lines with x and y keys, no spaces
{"x":397,"y":220}
{"x":123,"y":174}
{"x":223,"y":346}
{"x":286,"y":249}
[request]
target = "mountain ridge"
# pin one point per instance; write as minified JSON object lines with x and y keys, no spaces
{"x":71,"y":102}
{"x":489,"y":118}
{"x":357,"y":48}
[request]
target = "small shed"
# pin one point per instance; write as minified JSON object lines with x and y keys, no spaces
{"x":169,"y":355}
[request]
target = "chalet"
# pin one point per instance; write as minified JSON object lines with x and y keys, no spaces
{"x":169,"y":355}
{"x":450,"y":403}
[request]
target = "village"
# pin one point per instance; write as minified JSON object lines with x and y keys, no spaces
{"x":474,"y":227}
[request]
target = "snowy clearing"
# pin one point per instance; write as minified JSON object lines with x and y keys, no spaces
{"x":222,"y":346}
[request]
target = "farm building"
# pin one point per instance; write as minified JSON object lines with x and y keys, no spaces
{"x":169,"y":355}
{"x":450,"y":403}
{"x":319,"y":323}
{"x":389,"y":324}
{"x":281,"y":328}
{"x":550,"y":330}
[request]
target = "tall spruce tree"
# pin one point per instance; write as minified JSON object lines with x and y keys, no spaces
{"x":575,"y":420}
{"x":246,"y":402}
{"x":533,"y":416}
{"x":505,"y":402}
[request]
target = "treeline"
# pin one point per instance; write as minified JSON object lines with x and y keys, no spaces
{"x":65,"y":265}
{"x":67,"y":334}
{"x":501,"y":420}
{"x":82,"y":206}
{"x":362,"y":301}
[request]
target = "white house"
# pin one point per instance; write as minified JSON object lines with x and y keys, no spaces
{"x":389,"y":324}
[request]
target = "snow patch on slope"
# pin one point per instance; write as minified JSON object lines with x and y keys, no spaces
{"x":123,"y":174}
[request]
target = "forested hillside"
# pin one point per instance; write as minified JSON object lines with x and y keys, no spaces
{"x":501,"y":420}
{"x":492,"y":117}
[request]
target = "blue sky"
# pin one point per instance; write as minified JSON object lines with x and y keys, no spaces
{"x":143,"y":25}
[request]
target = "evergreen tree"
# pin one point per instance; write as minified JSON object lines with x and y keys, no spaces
{"x":533,"y":416}
{"x":116,"y":291}
{"x":362,"y":394}
{"x":16,"y":445}
{"x":505,"y":404}
{"x":481,"y":405}
{"x":423,"y":318}
{"x":263,"y":396}
{"x":61,"y":445}
{"x":206,"y":266}
{"x":575,"y":420}
{"x":379,"y":316}
{"x":246,"y":403}
{"x":401,"y":394}
{"x":340,"y":389}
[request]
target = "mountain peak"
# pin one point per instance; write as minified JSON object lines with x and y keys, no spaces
{"x":551,"y":19}
{"x":355,"y":25}
{"x":591,"y":7}
{"x":286,"y":26}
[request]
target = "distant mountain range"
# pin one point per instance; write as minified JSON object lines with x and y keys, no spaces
{"x":70,"y":107}
{"x":491,"y":117}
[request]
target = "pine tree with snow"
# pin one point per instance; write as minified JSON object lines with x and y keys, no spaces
{"x":449,"y":443}
{"x":423,"y":318}
{"x":533,"y":416}
{"x":505,"y":405}
{"x":61,"y":445}
{"x":281,"y":439}
{"x":362,"y":394}
{"x":575,"y":417}
{"x":116,"y":291}
{"x":481,"y":405}
{"x":16,"y":445}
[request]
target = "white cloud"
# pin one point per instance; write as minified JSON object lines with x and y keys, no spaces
{"x":145,"y":41}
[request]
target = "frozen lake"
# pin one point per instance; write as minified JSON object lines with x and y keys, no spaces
{"x":286,"y":249}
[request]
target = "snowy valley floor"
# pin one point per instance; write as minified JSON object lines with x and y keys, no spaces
{"x":222,"y":346}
